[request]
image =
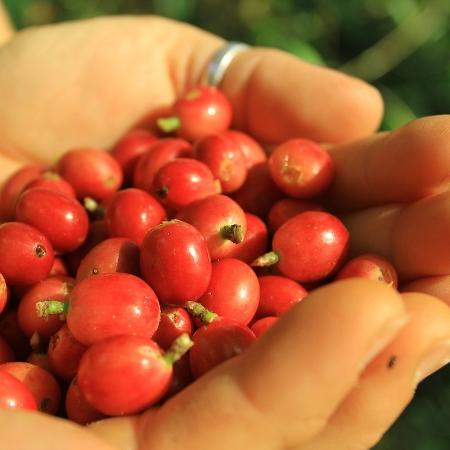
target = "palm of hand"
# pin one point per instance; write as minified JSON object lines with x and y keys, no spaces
{"x":86,"y":84}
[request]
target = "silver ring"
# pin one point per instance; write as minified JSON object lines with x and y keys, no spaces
{"x":221,"y":61}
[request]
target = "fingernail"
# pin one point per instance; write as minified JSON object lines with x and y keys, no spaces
{"x":383,"y":337}
{"x":437,"y":357}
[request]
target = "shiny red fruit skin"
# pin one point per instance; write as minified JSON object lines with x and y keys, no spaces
{"x":174,"y":322}
{"x":6,"y":352}
{"x":97,"y":233}
{"x":54,"y":288}
{"x":277,"y":295}
{"x":78,"y":410}
{"x":260,"y":326}
{"x":286,"y":209}
{"x":159,"y":154}
{"x":131,"y":213}
{"x":223,"y":156}
{"x":111,"y":304}
{"x":301,"y":168}
{"x":14,"y":394}
{"x":203,"y":110}
{"x":233,"y":291}
{"x":91,"y":172}
{"x":123,"y":375}
{"x":183,"y":181}
{"x":13,"y":187}
{"x":110,"y":256}
{"x":255,"y":243}
{"x":369,"y":266}
{"x":54,"y":182}
{"x":209,"y":215}
{"x":311,"y":246}
{"x":215,"y":343}
{"x":4,"y":293}
{"x":58,"y":267}
{"x":259,"y":191}
{"x":129,"y":148}
{"x":64,"y":353}
{"x":27,"y":255}
{"x":61,"y":218}
{"x":13,"y":334}
{"x":40,"y":382}
{"x":253,"y":152}
{"x":175,"y":261}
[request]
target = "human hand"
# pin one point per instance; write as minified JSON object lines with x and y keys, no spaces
{"x":320,"y":378}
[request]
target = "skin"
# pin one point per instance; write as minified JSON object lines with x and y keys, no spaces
{"x":100,"y":76}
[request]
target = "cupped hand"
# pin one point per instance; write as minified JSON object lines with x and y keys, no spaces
{"x":335,"y":372}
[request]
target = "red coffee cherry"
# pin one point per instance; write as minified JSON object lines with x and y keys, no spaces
{"x":131,"y":213}
{"x":27,"y":255}
{"x":301,"y":168}
{"x":92,"y":173}
{"x":201,"y":111}
{"x":175,"y":261}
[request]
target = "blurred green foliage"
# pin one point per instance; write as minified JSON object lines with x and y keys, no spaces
{"x":401,"y":46}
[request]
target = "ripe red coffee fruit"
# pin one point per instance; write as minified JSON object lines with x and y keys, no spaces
{"x":369,"y":266}
{"x":220,"y":220}
{"x":40,"y":382}
{"x":222,"y":154}
{"x":175,"y":261}
{"x":92,"y":172}
{"x":129,"y":148}
{"x":127,"y":374}
{"x":233,"y":291}
{"x":14,"y":394}
{"x":131,"y":213}
{"x":110,"y":256}
{"x":55,"y":288}
{"x":159,"y":154}
{"x":216,"y":342}
{"x":27,"y":255}
{"x":13,"y":187}
{"x":277,"y":295}
{"x":61,"y":218}
{"x":301,"y":168}
{"x":308,"y":247}
{"x":183,"y":181}
{"x":201,"y":111}
{"x":108,"y":304}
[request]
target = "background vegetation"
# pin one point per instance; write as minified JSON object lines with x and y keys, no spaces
{"x":401,"y":46}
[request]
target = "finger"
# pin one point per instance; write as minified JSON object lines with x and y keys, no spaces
{"x":276,"y":96}
{"x":401,"y":166}
{"x":44,"y":432}
{"x":413,"y":237}
{"x":283,"y":389}
{"x":436,"y":286}
{"x":388,"y":383}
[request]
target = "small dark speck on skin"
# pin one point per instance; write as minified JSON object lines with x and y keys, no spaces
{"x":391,"y":362}
{"x":94,"y":271}
{"x":40,"y":251}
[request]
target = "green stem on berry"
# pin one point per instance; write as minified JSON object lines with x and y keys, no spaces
{"x":233,"y":233}
{"x":199,"y":311}
{"x":180,"y":346}
{"x":268,"y":259}
{"x":93,"y":207}
{"x":46,"y":308}
{"x":169,"y":124}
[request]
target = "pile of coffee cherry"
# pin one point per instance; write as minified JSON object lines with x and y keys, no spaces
{"x":127,"y":274}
